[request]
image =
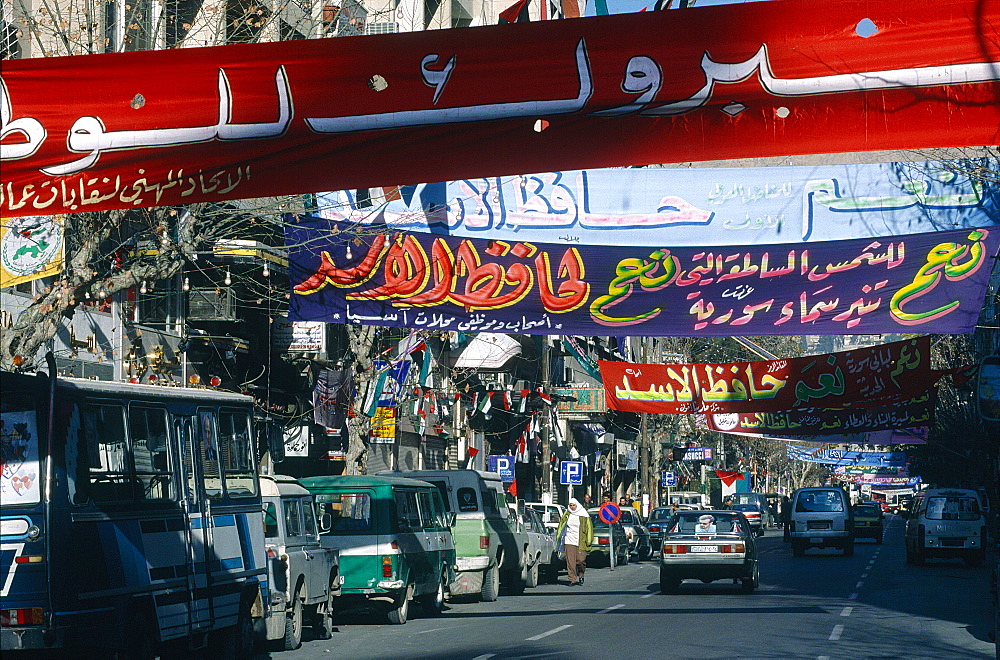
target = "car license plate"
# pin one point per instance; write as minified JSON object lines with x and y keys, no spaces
{"x":952,"y":542}
{"x":704,"y":548}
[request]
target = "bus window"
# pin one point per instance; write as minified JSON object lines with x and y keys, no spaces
{"x":236,"y":447}
{"x":148,"y":432}
{"x":209,"y":454}
{"x":104,"y":436}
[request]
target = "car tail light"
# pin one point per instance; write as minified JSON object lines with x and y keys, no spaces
{"x":654,"y":528}
{"x":387,"y":566}
{"x":733,"y":547}
{"x":602,"y":540}
{"x":674,"y":549}
{"x":484,"y":543}
{"x":25,"y":616}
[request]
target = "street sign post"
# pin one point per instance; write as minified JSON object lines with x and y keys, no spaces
{"x":611,"y":513}
{"x":502,"y":465}
{"x":571,"y":474}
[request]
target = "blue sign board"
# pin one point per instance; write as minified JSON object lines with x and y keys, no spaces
{"x":571,"y":473}
{"x":669,"y":479}
{"x":502,"y":465}
{"x":698,"y":454}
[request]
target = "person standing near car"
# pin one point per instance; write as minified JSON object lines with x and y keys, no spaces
{"x":575,"y":534}
{"x":786,"y":518}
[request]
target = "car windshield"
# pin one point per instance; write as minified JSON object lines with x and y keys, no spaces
{"x":661,"y":514}
{"x":819,"y":502}
{"x":598,"y":523}
{"x":952,"y":508}
{"x":699,"y":522}
{"x":866,"y":510}
{"x":745,"y":507}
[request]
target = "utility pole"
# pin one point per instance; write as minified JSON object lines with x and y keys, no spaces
{"x":546,"y":476}
{"x":644,"y":445}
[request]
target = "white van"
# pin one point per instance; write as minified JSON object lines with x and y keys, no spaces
{"x":688,"y":499}
{"x":947,"y":523}
{"x":821,"y":518}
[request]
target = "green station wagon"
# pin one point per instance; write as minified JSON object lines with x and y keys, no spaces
{"x":395,"y":541}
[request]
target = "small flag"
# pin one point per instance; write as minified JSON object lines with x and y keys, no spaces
{"x":513,"y":488}
{"x":545,"y":397}
{"x":524,"y":400}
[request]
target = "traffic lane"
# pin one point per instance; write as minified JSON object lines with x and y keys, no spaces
{"x":512,"y":625}
{"x":939,"y":610}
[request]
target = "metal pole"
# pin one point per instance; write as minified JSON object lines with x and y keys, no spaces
{"x":546,"y":476}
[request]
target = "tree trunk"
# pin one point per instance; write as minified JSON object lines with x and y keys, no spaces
{"x":361,"y":339}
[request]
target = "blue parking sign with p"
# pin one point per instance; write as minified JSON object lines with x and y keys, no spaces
{"x":669,"y":478}
{"x":571,"y":473}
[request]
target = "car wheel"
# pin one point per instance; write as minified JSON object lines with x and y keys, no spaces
{"x":752,"y":582}
{"x":645,"y":553}
{"x":293,"y":624}
{"x":532,"y":581}
{"x":397,"y":615}
{"x":669,"y":585}
{"x":433,"y":604}
{"x":491,"y":585}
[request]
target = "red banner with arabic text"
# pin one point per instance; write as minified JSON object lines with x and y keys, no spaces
{"x":157,"y":128}
{"x":862,"y":377}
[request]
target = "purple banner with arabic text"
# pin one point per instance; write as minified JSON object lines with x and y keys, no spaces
{"x":932,"y":282}
{"x":822,"y":421}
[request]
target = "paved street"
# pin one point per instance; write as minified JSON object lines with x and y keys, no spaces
{"x":822,"y":605}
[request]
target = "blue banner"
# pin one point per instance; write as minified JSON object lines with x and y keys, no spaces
{"x":683,"y":206}
{"x":838,"y":457}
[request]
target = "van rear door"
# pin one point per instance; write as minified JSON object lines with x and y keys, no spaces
{"x":354,"y":530}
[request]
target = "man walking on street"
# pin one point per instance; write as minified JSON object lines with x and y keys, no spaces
{"x":786,"y":518}
{"x":575,"y":534}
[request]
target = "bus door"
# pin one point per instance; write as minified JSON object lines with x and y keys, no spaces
{"x":199,"y":523}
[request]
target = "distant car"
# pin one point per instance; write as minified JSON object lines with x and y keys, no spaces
{"x":543,"y":563}
{"x":758,"y":499}
{"x":658,"y":519}
{"x":551,"y":513}
{"x":725,"y":549}
{"x":600,"y":550}
{"x":636,"y":532}
{"x":868,"y":521}
{"x":757,"y":517}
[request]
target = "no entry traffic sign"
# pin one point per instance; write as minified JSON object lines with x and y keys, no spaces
{"x":610,"y":513}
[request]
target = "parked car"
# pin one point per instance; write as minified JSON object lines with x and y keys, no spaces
{"x":551,"y":513}
{"x":761,"y":504}
{"x":868,"y":521}
{"x":946,"y":523}
{"x":541,"y":549}
{"x":491,"y":543}
{"x":395,"y":541}
{"x":689,"y":500}
{"x":604,"y":535}
{"x":636,"y":533}
{"x":757,"y":517}
{"x":658,"y":519}
{"x":304,"y":576}
{"x":821,"y":517}
{"x":709,"y":546}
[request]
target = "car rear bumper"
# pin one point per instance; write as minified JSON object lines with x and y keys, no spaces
{"x":717,"y":570}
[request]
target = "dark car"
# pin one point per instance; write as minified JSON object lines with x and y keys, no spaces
{"x":756,"y":516}
{"x":636,"y":532}
{"x":868,"y":521}
{"x":708,"y":546}
{"x":658,"y":519}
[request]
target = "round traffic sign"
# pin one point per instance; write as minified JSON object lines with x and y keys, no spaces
{"x":610,"y":513}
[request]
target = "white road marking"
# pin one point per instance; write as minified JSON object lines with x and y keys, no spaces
{"x":847,"y":611}
{"x":859,"y":584}
{"x":853,"y":596}
{"x":485,"y":656}
{"x":613,"y":607}
{"x":550,"y":632}
{"x":649,"y":595}
{"x":835,"y":635}
{"x":431,"y":630}
{"x":864,"y":575}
